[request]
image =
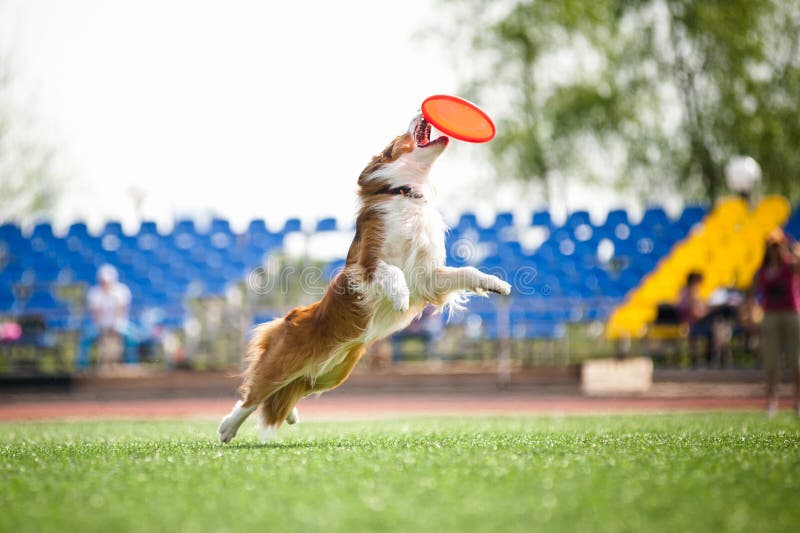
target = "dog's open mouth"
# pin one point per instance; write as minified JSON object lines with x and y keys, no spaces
{"x":422,"y":135}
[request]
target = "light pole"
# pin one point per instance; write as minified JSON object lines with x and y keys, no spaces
{"x":743,"y":173}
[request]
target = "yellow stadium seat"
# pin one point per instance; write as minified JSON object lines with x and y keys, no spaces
{"x":727,"y":248}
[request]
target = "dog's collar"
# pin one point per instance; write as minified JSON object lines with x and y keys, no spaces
{"x":404,"y":191}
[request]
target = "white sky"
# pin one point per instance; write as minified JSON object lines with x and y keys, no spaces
{"x":241,"y":108}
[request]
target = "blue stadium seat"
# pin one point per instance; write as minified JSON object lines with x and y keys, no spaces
{"x":147,"y":240}
{"x":47,"y":273}
{"x":214,"y":286}
{"x":597,"y":312}
{"x":487,"y":235}
{"x":560,"y":234}
{"x":7,"y":297}
{"x":184,"y":226}
{"x":221,"y":240}
{"x":220,"y":225}
{"x":257,"y":227}
{"x":654,"y":216}
{"x":326,"y":224}
{"x":174,"y":320}
{"x":503,"y":220}
{"x":292,"y":224}
{"x":576,"y":218}
{"x":148,"y":227}
{"x":492,"y":263}
{"x":253,"y":255}
{"x":12,"y":272}
{"x":691,"y":215}
{"x":112,"y":227}
{"x":615,"y":217}
{"x":153,"y":298}
{"x":546,"y":253}
{"x":542,"y":218}
{"x":185,"y":240}
{"x":81,"y":273}
{"x":78,"y":229}
{"x":43,"y":230}
{"x":654,"y":223}
{"x":258,"y":239}
{"x":467,"y":221}
{"x":10,"y":232}
{"x":793,"y":229}
{"x":793,"y":224}
{"x":42,"y":300}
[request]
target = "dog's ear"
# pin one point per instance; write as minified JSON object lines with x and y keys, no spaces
{"x":400,"y":145}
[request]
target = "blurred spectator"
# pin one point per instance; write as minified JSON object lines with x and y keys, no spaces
{"x":711,"y":320}
{"x":750,"y":317}
{"x":10,"y":331}
{"x":693,"y":311}
{"x":778,"y":283}
{"x":109,"y":303}
{"x":691,"y":306}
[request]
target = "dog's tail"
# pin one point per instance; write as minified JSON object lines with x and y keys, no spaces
{"x":260,"y":343}
{"x":277,"y":407}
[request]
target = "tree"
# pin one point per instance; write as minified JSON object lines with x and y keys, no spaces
{"x":29,"y":184}
{"x":658,"y":93}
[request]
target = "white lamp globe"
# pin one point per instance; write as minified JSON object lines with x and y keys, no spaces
{"x":742,"y":174}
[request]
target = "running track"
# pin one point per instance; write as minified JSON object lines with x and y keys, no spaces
{"x":374,"y":406}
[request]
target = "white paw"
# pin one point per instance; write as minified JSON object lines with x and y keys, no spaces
{"x":400,"y":299}
{"x":227,"y":429}
{"x":496,"y":285}
{"x":293,"y":417}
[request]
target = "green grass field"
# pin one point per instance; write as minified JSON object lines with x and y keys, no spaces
{"x":711,"y":472}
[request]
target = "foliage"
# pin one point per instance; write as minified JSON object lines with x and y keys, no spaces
{"x":658,"y":94}
{"x":701,"y":472}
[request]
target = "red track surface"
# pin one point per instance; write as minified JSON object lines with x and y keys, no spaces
{"x":342,"y":407}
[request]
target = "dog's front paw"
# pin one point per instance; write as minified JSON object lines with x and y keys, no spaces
{"x":293,"y":417}
{"x":496,"y":285}
{"x":227,"y":429}
{"x":400,"y":299}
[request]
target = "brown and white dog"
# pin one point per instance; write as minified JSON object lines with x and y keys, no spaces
{"x":395,"y":267}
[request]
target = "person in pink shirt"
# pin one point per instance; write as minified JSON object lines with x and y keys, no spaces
{"x":778,"y":284}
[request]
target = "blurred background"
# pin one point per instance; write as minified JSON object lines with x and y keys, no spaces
{"x":209,"y":152}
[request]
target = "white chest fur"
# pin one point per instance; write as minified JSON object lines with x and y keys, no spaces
{"x":414,"y":241}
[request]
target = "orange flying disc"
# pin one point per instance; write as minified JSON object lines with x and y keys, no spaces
{"x":458,"y":118}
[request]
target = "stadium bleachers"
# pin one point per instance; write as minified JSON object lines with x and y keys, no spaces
{"x":726,"y":248}
{"x":579,"y":271}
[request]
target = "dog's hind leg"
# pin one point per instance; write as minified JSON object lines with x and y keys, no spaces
{"x":255,"y":388}
{"x":281,"y":406}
